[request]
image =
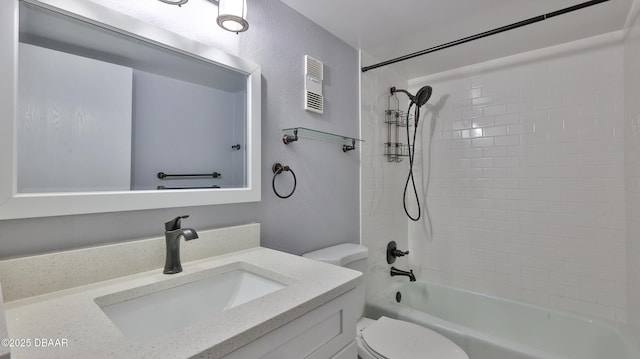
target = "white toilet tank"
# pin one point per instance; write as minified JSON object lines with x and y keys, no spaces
{"x":348,"y":255}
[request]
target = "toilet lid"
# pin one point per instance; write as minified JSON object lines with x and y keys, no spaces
{"x":397,"y":339}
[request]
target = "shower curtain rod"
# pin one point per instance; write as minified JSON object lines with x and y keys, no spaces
{"x":485,"y":34}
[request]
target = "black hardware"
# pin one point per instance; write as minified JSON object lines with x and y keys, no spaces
{"x":395,"y":271}
{"x":172,"y":234}
{"x":346,"y":148}
{"x":398,"y":297}
{"x":277,"y":168}
{"x":393,"y":252}
{"x":485,"y":34}
{"x":194,"y":187}
{"x":174,"y":224}
{"x":163,"y":175}
{"x":236,"y":147}
{"x":287,"y":139}
{"x":319,"y":135}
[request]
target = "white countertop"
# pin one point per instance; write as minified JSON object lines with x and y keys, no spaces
{"x":73,"y":315}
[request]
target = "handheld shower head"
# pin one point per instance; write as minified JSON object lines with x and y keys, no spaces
{"x":421,"y":97}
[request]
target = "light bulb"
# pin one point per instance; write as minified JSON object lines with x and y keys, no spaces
{"x":232,"y":15}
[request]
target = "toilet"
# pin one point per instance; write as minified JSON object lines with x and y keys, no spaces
{"x":387,"y":338}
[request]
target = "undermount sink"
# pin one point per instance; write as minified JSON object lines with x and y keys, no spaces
{"x":163,"y":310}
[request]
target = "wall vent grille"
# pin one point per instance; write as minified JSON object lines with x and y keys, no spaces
{"x":314,"y":102}
{"x":314,"y":74}
{"x":314,"y":68}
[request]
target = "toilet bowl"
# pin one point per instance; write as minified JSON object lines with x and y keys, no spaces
{"x":387,"y":338}
{"x":396,"y":339}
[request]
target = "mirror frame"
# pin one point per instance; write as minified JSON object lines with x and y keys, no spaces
{"x":28,"y":205}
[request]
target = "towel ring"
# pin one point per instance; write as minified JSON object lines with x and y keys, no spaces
{"x":277,"y":169}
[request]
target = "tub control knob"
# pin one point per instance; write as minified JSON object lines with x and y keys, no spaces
{"x":399,"y":253}
{"x":393,"y":252}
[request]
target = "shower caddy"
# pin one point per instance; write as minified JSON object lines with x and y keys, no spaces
{"x":396,"y":120}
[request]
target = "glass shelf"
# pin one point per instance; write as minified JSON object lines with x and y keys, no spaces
{"x":292,"y":134}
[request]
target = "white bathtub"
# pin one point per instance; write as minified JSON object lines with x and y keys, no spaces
{"x":493,"y":328}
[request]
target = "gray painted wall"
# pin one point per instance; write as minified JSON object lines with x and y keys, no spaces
{"x":325,"y":208}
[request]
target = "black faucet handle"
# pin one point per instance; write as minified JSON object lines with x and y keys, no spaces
{"x":393,"y":252}
{"x":174,"y":224}
{"x":399,"y":253}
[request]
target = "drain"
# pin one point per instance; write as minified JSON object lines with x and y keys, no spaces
{"x":398,"y":297}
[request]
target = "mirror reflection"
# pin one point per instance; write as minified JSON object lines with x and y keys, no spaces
{"x":100,"y":111}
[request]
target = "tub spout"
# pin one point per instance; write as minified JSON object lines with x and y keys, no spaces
{"x":395,"y":271}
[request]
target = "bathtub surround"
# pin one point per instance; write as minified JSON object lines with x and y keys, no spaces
{"x":504,"y":225}
{"x":531,"y":199}
{"x":632,"y":161}
{"x":527,"y":182}
{"x":382,"y":217}
{"x":327,"y":195}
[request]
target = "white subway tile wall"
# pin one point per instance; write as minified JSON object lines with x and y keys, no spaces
{"x":527,"y":178}
{"x":382,"y":216}
{"x":632,"y":161}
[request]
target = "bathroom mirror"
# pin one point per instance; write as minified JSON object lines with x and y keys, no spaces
{"x":101,"y":112}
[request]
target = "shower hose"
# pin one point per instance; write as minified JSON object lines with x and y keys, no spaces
{"x":410,"y":178}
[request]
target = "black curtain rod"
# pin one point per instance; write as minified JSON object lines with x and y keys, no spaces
{"x":485,"y":34}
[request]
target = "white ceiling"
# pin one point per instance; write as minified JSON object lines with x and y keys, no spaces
{"x":393,"y":28}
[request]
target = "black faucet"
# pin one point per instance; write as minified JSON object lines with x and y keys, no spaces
{"x":172,"y":235}
{"x":393,"y":252}
{"x":395,"y":271}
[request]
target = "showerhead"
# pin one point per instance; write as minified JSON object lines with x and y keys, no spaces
{"x":421,"y":97}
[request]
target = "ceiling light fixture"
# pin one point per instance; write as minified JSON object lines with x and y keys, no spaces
{"x":232,"y":15}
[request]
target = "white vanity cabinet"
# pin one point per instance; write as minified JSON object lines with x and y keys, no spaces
{"x":325,"y":332}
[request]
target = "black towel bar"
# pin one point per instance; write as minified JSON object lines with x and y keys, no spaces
{"x":163,"y":175}
{"x":194,"y":187}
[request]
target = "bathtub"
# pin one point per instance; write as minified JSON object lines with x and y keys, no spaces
{"x":492,"y":328}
